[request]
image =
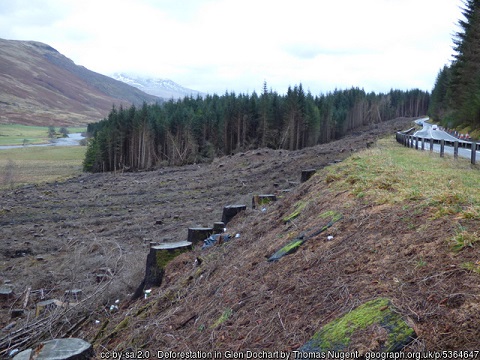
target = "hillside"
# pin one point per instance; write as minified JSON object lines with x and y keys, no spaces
{"x":407,"y":233}
{"x":40,"y":86}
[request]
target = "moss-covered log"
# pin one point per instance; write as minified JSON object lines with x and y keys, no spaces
{"x":290,"y":248}
{"x":374,"y":326}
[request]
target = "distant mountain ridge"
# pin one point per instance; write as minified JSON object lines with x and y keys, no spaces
{"x":163,"y":88}
{"x":40,"y":86}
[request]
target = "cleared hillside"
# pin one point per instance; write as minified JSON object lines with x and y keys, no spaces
{"x":407,"y":233}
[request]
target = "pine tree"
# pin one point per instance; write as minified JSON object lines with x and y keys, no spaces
{"x":465,"y":77}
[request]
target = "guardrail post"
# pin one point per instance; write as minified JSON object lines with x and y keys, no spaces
{"x":442,"y":147}
{"x":455,"y":149}
{"x":416,"y":142}
{"x":474,"y":153}
{"x":431,"y":144}
{"x":423,"y":143}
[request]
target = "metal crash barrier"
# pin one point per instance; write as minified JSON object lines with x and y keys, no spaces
{"x":419,"y":142}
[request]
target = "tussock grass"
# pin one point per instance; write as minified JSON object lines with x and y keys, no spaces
{"x":420,"y":181}
{"x":393,"y":174}
{"x":33,"y":165}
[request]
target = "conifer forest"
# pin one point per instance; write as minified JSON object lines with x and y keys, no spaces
{"x":455,"y":98}
{"x":198,"y":129}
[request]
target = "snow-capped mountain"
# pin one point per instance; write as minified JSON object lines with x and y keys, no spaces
{"x":163,"y":88}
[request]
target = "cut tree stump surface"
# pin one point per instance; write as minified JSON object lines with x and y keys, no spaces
{"x":59,"y":349}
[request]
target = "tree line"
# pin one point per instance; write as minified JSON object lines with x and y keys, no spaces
{"x":455,"y":98}
{"x":198,"y":129}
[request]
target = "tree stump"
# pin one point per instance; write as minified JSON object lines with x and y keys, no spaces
{"x":218,"y":227}
{"x":48,"y":305}
{"x":6,"y":292}
{"x":66,"y":349}
{"x":158,"y":257}
{"x":15,"y":313}
{"x":230,"y":211}
{"x":307,"y":174}
{"x":103,"y":274}
{"x":73,"y":295}
{"x":258,"y":200}
{"x":196,"y":235}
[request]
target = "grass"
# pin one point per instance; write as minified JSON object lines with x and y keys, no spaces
{"x":393,"y":174}
{"x":14,"y":134}
{"x":423,"y":182}
{"x":33,"y":165}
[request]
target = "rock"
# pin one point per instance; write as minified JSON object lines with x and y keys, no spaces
{"x":59,"y":349}
{"x":374,"y":326}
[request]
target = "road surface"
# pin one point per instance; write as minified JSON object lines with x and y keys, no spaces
{"x":428,"y":132}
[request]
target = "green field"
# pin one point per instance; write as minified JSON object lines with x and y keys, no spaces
{"x":14,"y":134}
{"x":38,"y":164}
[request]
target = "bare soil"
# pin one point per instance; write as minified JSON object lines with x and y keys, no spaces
{"x":61,"y":236}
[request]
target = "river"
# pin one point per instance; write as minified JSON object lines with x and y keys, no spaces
{"x":71,"y":140}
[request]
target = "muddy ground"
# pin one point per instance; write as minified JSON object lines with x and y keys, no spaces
{"x":61,"y":236}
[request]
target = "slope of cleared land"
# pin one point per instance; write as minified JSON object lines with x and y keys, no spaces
{"x":407,"y":233}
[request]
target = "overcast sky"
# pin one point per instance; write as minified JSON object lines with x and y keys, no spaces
{"x":219,"y":45}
